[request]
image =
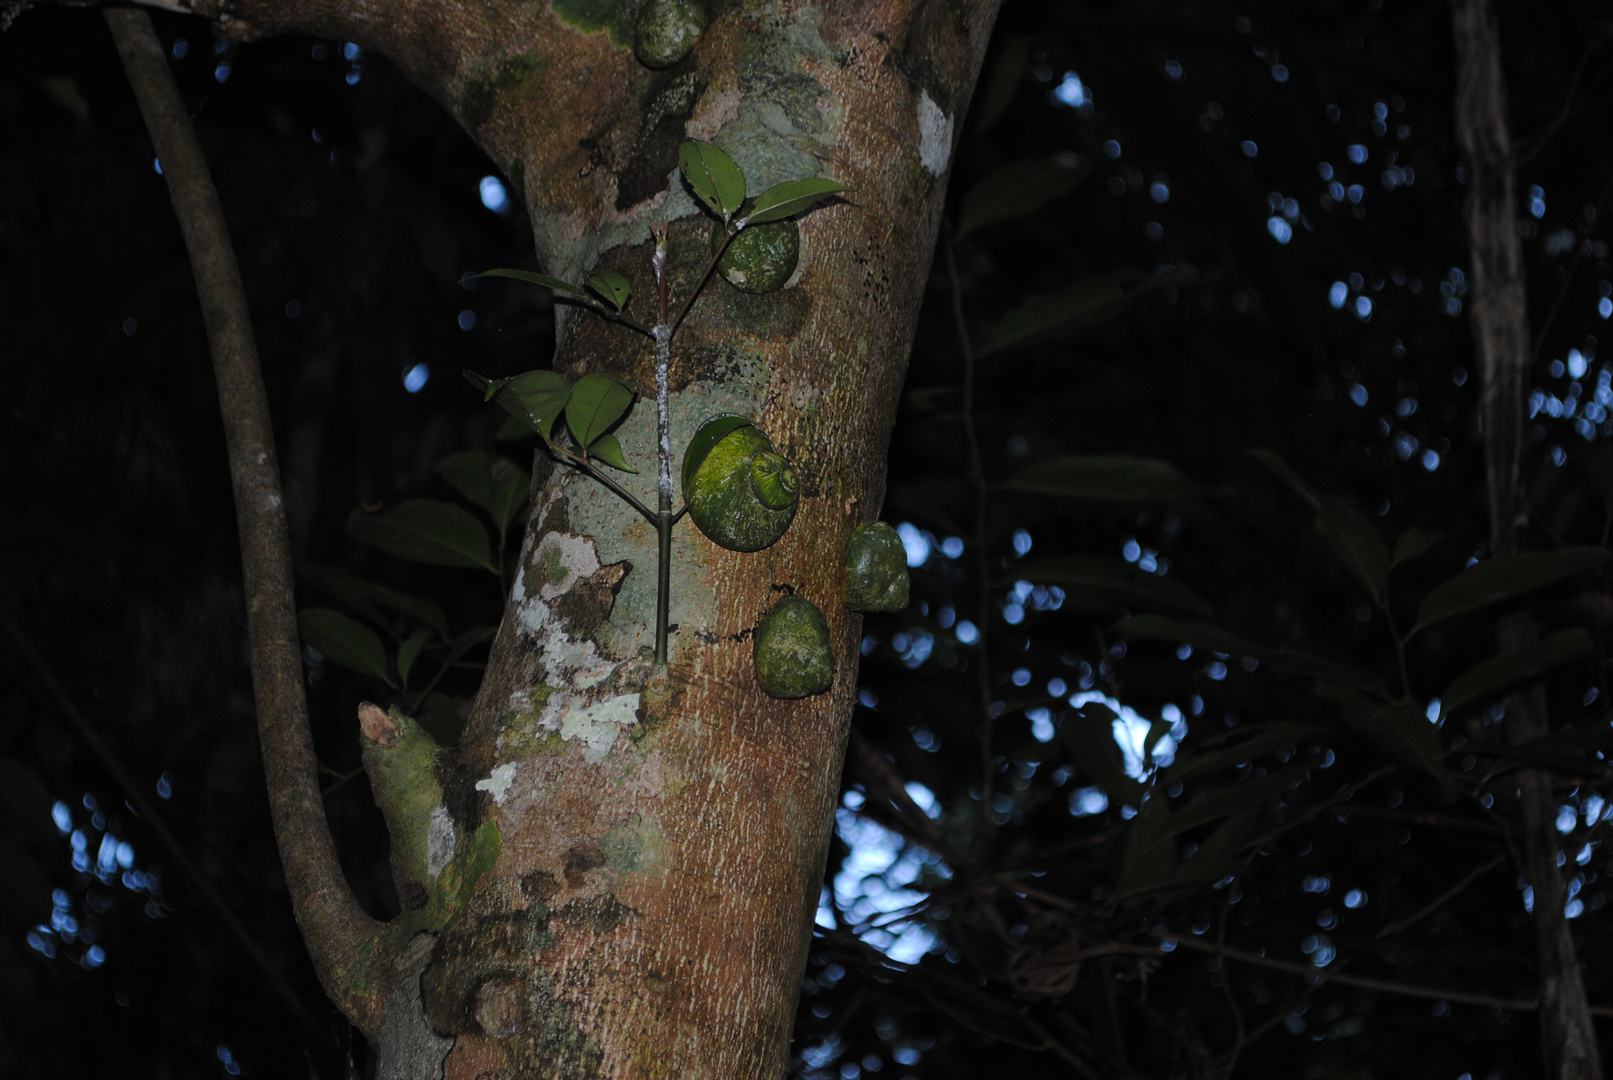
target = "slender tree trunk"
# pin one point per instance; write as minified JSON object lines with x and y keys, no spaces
{"x":615,"y":873}
{"x":1501,"y":333}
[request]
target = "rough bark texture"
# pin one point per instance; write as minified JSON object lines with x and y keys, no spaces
{"x":330,"y":919}
{"x":1501,"y":333}
{"x":615,"y":874}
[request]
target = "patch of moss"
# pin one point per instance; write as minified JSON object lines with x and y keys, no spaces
{"x":547,"y":570}
{"x":514,"y":72}
{"x":592,"y":16}
{"x":634,"y":845}
{"x":600,"y":915}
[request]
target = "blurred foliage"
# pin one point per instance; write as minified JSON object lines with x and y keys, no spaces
{"x":1200,"y":303}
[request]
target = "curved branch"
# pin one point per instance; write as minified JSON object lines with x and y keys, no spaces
{"x":332,"y":923}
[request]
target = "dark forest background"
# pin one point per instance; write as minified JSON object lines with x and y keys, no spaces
{"x":1178,"y":232}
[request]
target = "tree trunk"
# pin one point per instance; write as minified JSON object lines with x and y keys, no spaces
{"x":1501,"y":333}
{"x":615,"y":873}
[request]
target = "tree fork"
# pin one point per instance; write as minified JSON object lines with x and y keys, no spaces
{"x":1501,"y":334}
{"x":636,"y":850}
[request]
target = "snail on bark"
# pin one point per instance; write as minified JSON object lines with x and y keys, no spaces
{"x":793,"y":658}
{"x":666,"y":31}
{"x":742,"y":494}
{"x":876,"y":569}
{"x":761,"y":258}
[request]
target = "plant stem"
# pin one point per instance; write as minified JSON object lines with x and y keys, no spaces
{"x":615,"y":316}
{"x":582,"y":464}
{"x":663,"y":452}
{"x":977,"y":466}
{"x":704,"y":277}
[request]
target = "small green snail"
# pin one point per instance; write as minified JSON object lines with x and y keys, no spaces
{"x":762,"y":257}
{"x":876,"y":569}
{"x":667,"y":31}
{"x":742,"y":494}
{"x":793,"y":658}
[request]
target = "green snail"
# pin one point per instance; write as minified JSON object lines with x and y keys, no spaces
{"x":667,"y":31}
{"x":761,"y":258}
{"x":793,"y":658}
{"x":742,"y":493}
{"x":876,"y":569}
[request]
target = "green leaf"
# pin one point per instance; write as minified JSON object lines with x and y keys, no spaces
{"x":344,"y":641}
{"x":1214,"y":639}
{"x":1108,"y":478}
{"x":713,"y":175}
{"x":1357,"y":544}
{"x":488,"y":387}
{"x":1402,"y":731}
{"x":1328,"y":671}
{"x":1216,"y":857}
{"x":511,"y":486}
{"x":1504,"y":578}
{"x":1248,"y":794}
{"x":469,"y":472}
{"x":597,"y":402}
{"x":607,"y":449}
{"x":998,"y":85}
{"x":710,"y":433}
{"x":1553,"y":748}
{"x":1414,"y":544}
{"x":1079,"y":306}
{"x":368,"y":598}
{"x":514,"y":429}
{"x":1503,"y":671}
{"x":1180,"y":631}
{"x":789,"y":198}
{"x":1088,"y":735}
{"x":534,"y":279}
{"x":1148,"y":862}
{"x":425,"y":531}
{"x":536,"y":398}
{"x":443,"y":717}
{"x":612,"y":286}
{"x":1236,"y":747}
{"x":1020,"y":188}
{"x":408,"y":652}
{"x":1280,"y":469}
{"x":1122,"y":582}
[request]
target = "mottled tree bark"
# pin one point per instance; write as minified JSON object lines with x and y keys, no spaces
{"x":1501,"y":334}
{"x":615,"y":873}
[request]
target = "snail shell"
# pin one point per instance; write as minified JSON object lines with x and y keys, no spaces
{"x":876,"y":569}
{"x":761,"y":258}
{"x":667,"y":31}
{"x":742,"y":494}
{"x":793,"y":658}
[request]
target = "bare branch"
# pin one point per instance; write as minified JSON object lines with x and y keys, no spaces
{"x":1442,"y":899}
{"x":1432,"y":993}
{"x":330,"y":918}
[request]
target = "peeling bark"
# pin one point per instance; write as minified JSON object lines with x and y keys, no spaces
{"x":615,"y":873}
{"x":1501,"y":334}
